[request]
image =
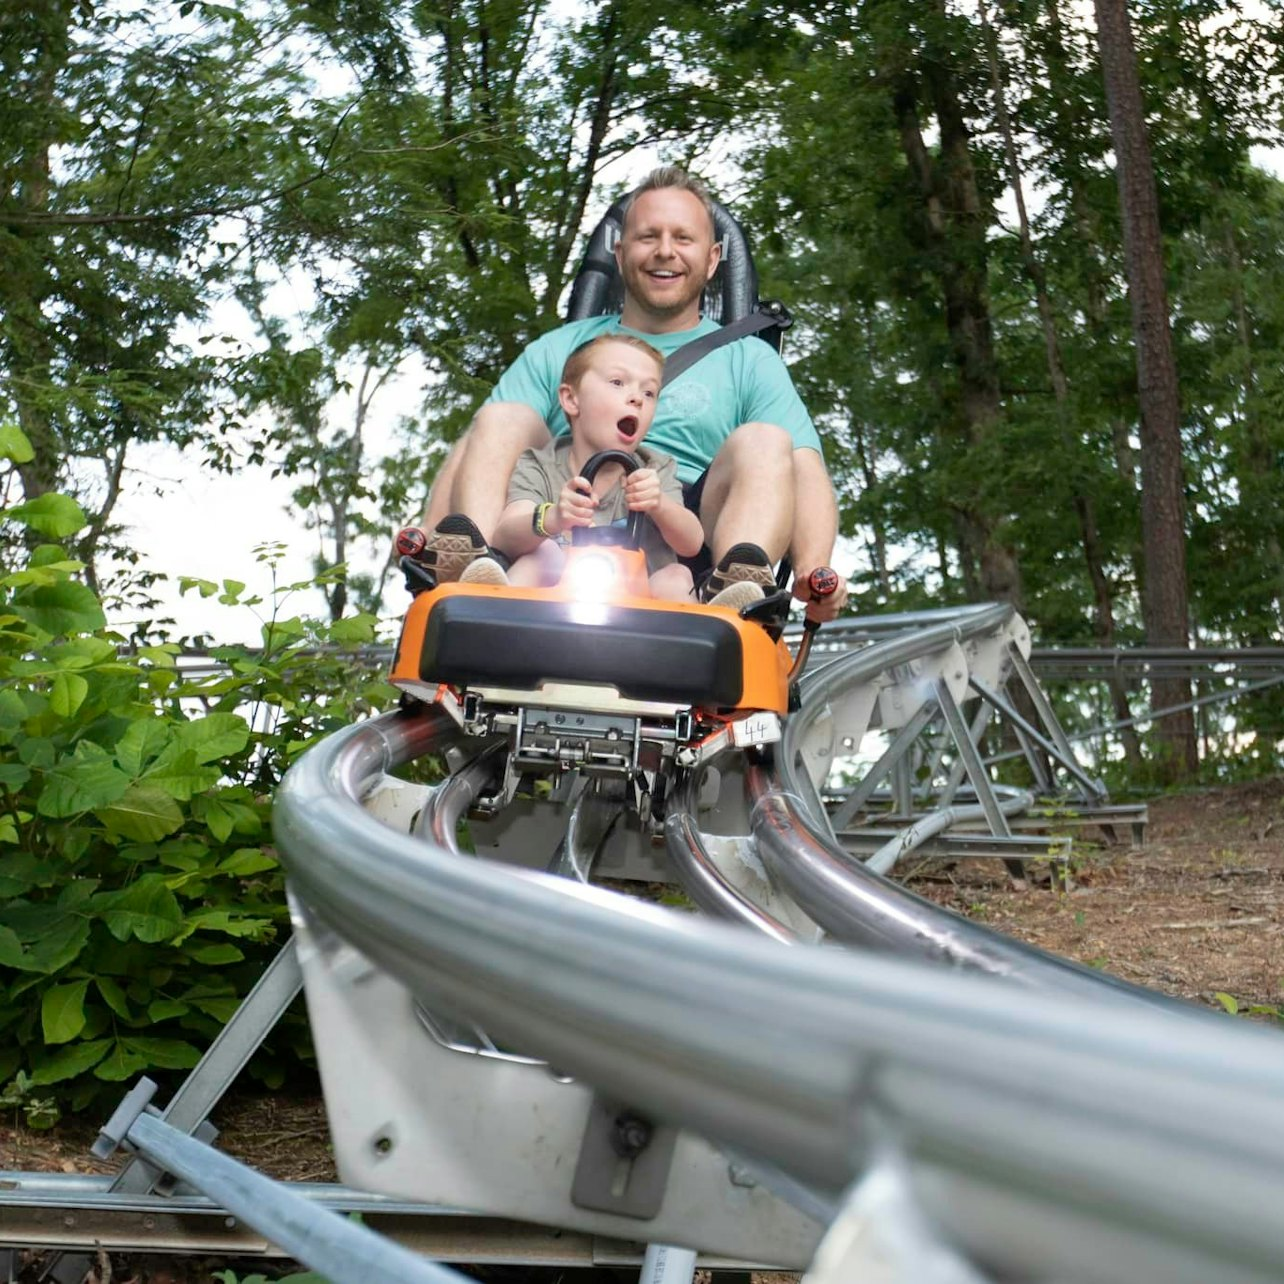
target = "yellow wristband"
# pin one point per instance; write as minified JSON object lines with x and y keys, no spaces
{"x":538,"y":518}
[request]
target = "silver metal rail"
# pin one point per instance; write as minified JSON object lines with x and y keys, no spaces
{"x":822,"y":685}
{"x":82,"y":1212}
{"x":341,"y":1249}
{"x":857,"y":905}
{"x":959,"y":1122}
{"x":707,"y":886}
{"x":1069,"y":1140}
{"x":850,"y":899}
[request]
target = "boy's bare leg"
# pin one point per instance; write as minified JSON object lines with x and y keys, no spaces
{"x":749,"y":495}
{"x":474,"y":479}
{"x":672,"y":583}
{"x":537,"y":569}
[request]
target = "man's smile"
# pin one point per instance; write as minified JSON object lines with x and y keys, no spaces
{"x":666,"y":253}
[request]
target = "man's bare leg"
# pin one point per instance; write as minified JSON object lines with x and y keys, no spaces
{"x":443,"y":486}
{"x":749,"y":495}
{"x":474,"y":479}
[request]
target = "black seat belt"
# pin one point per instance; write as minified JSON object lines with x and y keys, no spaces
{"x":766,"y":315}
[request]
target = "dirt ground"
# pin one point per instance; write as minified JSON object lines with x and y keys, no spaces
{"x":1196,"y":912}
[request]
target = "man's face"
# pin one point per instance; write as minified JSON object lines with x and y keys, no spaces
{"x":614,"y":404}
{"x":666,"y":254}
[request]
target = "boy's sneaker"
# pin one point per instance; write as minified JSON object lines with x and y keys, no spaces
{"x":738,"y":595}
{"x":484,"y":570}
{"x":741,"y":578}
{"x":455,"y":542}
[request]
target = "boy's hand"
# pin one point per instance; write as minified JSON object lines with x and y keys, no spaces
{"x":575,"y":505}
{"x":642,"y":490}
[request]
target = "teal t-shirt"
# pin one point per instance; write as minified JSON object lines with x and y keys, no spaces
{"x":741,"y":382}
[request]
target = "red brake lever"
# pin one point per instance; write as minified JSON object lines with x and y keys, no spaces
{"x":823,"y":582}
{"x":410,"y":541}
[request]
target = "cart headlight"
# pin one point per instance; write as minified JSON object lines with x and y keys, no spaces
{"x":592,"y":577}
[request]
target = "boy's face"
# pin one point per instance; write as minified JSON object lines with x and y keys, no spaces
{"x":614,"y":404}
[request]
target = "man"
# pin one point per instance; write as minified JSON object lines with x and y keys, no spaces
{"x":748,"y":455}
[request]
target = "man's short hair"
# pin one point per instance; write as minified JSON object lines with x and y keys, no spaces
{"x":579,"y":360}
{"x":667,"y":176}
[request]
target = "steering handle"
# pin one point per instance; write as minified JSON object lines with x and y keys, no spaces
{"x":592,"y":466}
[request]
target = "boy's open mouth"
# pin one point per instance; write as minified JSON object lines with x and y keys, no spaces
{"x":628,"y":427}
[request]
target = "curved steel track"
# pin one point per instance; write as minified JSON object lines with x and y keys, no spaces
{"x":1072,"y":1128}
{"x":957,"y":1105}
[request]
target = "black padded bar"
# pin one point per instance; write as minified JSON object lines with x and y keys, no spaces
{"x":671,"y":656}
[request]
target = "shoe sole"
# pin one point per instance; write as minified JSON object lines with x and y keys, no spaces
{"x":450,"y":555}
{"x":739,"y":573}
{"x":738,"y":595}
{"x":484,"y":570}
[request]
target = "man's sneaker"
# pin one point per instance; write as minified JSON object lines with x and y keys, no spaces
{"x":484,"y":570}
{"x":741,"y":564}
{"x":455,"y":542}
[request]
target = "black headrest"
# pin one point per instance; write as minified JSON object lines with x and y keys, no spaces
{"x":731,"y":294}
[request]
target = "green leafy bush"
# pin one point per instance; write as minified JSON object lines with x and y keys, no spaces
{"x":140,"y":898}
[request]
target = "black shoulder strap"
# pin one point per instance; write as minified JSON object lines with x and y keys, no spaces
{"x":766,"y":315}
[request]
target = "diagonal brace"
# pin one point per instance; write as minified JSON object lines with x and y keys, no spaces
{"x":895,"y":750}
{"x":1093,"y":790}
{"x":1060,"y":745}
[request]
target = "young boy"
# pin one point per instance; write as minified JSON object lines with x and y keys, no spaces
{"x":608,"y":391}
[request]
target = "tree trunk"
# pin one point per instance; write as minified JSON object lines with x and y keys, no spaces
{"x":1090,"y":233}
{"x":1164,"y":605}
{"x":1085,"y":509}
{"x":877,"y":544}
{"x":25,"y":284}
{"x":955,"y":226}
{"x":600,"y":117}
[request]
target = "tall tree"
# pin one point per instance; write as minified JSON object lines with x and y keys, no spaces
{"x":475,"y":138}
{"x":127,"y":144}
{"x":1082,"y":499}
{"x":1164,"y":593}
{"x":955,"y":218}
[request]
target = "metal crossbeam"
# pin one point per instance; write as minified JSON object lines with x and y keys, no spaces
{"x":960,"y":845}
{"x":332,"y":1245}
{"x":874,"y":777}
{"x":225,"y":1058}
{"x":967,"y":751}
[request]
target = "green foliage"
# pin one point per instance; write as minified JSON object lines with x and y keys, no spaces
{"x":130,"y":136}
{"x":466,"y":151}
{"x":420,"y":179}
{"x":1262,"y":1011}
{"x":140,"y":897}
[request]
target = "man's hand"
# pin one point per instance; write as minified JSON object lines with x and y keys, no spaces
{"x":828,"y":608}
{"x":642,"y":490}
{"x":575,"y":506}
